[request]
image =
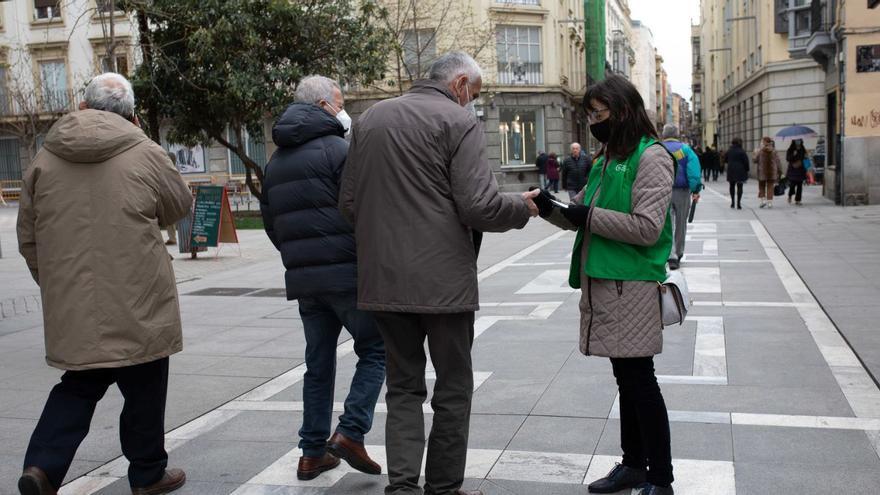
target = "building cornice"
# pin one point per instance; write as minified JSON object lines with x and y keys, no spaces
{"x":770,"y":68}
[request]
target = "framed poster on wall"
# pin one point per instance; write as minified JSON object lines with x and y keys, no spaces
{"x":189,"y":159}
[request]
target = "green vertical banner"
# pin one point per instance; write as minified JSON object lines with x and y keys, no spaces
{"x":594,"y":29}
{"x":206,"y":216}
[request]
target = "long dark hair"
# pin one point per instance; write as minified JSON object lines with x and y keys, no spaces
{"x":795,"y":151}
{"x":629,"y":121}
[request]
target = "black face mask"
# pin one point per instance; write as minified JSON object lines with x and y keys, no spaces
{"x":601,"y":130}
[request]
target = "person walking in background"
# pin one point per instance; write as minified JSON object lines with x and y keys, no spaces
{"x":575,"y":170}
{"x":704,"y":167}
{"x":541,"y":165}
{"x":552,"y":173}
{"x":110,"y":305}
{"x":300,"y":215}
{"x":2,"y":201}
{"x":769,"y":171}
{"x":796,"y":173}
{"x":686,"y":188}
{"x":737,"y":170}
{"x":418,"y":176}
{"x":618,"y":260}
{"x":713,"y":162}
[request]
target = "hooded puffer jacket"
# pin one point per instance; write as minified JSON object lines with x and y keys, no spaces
{"x":299,"y":204}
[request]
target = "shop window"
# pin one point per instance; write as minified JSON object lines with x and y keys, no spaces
{"x":10,"y":160}
{"x":522,"y":134}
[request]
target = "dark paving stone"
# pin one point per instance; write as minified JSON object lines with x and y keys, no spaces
{"x":269,"y":293}
{"x":222,"y":291}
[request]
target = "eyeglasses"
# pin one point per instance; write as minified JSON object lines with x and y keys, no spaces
{"x":598,"y":114}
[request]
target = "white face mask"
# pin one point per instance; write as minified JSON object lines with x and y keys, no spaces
{"x":342,"y":117}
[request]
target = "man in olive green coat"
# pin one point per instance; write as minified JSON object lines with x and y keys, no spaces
{"x":88,"y":228}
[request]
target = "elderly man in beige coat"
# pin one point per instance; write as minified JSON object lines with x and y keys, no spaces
{"x":416,"y":186}
{"x":88,"y":228}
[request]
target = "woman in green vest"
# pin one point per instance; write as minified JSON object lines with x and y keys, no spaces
{"x":624,"y":237}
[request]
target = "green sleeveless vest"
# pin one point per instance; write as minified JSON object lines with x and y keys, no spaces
{"x":615,"y":260}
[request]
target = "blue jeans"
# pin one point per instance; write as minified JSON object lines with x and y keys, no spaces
{"x":323,"y":318}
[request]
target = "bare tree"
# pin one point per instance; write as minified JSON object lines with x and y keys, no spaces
{"x":423,"y":27}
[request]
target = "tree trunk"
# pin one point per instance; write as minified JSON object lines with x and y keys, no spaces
{"x":149,"y":102}
{"x":251,"y":168}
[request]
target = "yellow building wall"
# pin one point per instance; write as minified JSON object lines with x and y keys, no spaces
{"x":862,"y":88}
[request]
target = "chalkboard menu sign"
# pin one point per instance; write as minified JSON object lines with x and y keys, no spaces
{"x":206,"y":216}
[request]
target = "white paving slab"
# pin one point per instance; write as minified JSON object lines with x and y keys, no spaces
{"x":703,"y":279}
{"x":546,"y":467}
{"x":548,"y":282}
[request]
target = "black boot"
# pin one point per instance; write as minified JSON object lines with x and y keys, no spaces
{"x":620,"y":478}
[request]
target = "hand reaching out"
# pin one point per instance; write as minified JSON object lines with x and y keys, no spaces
{"x":529,"y":198}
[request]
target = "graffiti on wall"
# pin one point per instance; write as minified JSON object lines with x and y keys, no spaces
{"x":870,"y":119}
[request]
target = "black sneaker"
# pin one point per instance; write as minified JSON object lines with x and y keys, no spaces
{"x":673,"y":264}
{"x":619,"y":478}
{"x":649,"y":489}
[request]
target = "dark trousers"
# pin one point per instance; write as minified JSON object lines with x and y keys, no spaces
{"x":706,"y":172}
{"x":796,"y":189}
{"x":323,"y":318}
{"x":450,"y":337}
{"x":68,"y":413}
{"x":715,"y":174}
{"x":644,"y":424}
{"x":553,"y":184}
{"x":736,"y":188}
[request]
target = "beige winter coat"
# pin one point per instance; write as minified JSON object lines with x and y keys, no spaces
{"x":416,"y":181}
{"x":88,"y":227}
{"x":621,"y":319}
{"x":769,"y":166}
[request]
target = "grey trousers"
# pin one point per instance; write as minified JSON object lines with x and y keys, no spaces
{"x":681,"y":205}
{"x":450,"y":337}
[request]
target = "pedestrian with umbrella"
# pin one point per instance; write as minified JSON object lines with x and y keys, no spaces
{"x":796,"y":173}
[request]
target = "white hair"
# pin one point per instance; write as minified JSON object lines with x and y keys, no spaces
{"x":453,"y":64}
{"x":669,"y":131}
{"x":110,"y":92}
{"x":313,"y":89}
{"x":576,"y":144}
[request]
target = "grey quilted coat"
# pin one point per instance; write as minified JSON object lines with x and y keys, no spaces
{"x":621,"y":319}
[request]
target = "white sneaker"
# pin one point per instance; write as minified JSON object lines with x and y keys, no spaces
{"x":770,"y":204}
{"x":763,"y":204}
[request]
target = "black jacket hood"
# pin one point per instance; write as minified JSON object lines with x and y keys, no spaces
{"x":302,"y":122}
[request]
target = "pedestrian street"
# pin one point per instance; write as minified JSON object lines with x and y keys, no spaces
{"x":764,"y":396}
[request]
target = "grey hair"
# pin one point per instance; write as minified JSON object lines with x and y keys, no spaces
{"x":669,"y":131}
{"x":453,"y":64}
{"x":575,"y":144}
{"x":110,"y":92}
{"x":313,"y":89}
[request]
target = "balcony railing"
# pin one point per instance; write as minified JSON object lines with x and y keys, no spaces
{"x":44,"y":103}
{"x":797,"y":45}
{"x":519,"y":2}
{"x":520,"y":73}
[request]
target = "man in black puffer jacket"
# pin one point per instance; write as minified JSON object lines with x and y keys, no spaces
{"x":317,"y":245}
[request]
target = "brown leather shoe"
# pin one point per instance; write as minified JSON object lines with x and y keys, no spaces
{"x":310,"y":467}
{"x":173,"y":479}
{"x":353,"y":452}
{"x":34,"y":481}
